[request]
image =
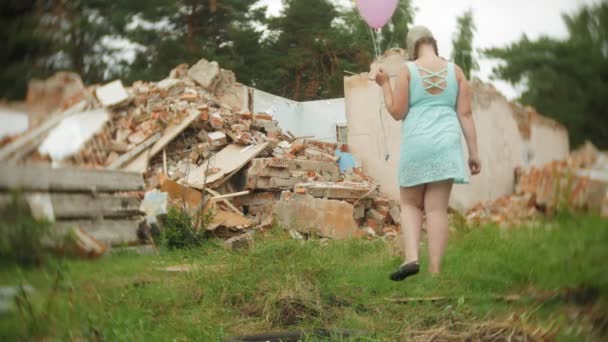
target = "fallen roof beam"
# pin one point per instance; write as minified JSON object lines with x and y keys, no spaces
{"x":125,"y":158}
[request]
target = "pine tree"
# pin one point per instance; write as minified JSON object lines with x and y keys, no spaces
{"x":565,"y":79}
{"x":25,"y":50}
{"x":462,"y":43}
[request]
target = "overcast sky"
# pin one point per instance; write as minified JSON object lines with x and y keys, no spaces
{"x":498,"y":22}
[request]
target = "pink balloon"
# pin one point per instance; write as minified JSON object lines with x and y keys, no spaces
{"x":377,"y":13}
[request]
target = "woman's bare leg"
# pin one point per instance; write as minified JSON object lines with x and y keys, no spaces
{"x":436,"y":198}
{"x":412,"y":200}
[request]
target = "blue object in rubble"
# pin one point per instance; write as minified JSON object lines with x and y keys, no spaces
{"x":346,"y":161}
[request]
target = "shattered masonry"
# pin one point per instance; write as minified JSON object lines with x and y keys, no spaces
{"x":194,"y":137}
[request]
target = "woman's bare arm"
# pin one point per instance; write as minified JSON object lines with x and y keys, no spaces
{"x":465,"y":115}
{"x":397,"y":101}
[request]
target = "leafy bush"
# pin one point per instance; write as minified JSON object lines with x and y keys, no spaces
{"x":21,"y":235}
{"x":179,"y":230}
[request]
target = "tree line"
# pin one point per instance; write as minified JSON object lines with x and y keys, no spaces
{"x":300,"y":54}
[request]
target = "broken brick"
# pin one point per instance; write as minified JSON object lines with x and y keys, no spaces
{"x":263,"y":117}
{"x":189,"y":97}
{"x":376,"y":225}
{"x":380,"y":201}
{"x":313,"y":154}
{"x":246,"y":116}
{"x":204,"y":113}
{"x":216,"y":121}
{"x":296,"y":148}
{"x":327,"y":147}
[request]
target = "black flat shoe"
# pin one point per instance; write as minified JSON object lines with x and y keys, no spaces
{"x":405,"y":271}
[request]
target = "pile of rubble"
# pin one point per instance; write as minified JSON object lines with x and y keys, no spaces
{"x":199,"y":145}
{"x":194,"y":138}
{"x":577,"y":183}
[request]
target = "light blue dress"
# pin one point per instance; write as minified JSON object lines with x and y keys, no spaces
{"x":431,"y":147}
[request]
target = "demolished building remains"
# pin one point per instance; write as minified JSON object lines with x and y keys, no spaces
{"x":196,"y":139}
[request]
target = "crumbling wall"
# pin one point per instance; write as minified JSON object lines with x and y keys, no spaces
{"x":548,"y":142}
{"x":501,"y":149}
{"x":283,"y":110}
{"x":545,"y":139}
{"x":365,"y":138}
{"x":502,"y":144}
{"x":317,"y":119}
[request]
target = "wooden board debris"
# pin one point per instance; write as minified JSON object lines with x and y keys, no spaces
{"x":30,"y":140}
{"x":73,"y":134}
{"x":219,"y":197}
{"x":125,"y":158}
{"x":227,"y":219}
{"x":179,"y":193}
{"x":230,"y":159}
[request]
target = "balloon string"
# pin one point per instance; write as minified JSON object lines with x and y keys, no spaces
{"x":386,"y":154}
{"x":376,"y":43}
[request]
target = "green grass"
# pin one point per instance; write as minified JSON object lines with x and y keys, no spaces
{"x":282,"y":284}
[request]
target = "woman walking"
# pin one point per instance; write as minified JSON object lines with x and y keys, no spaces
{"x":433,"y":98}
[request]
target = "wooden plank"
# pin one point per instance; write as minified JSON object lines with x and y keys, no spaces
{"x":77,"y":206}
{"x":236,"y":194}
{"x":44,"y":178}
{"x":229,"y":160}
{"x":125,"y":158}
{"x":30,"y":140}
{"x":140,"y":164}
{"x":224,"y":200}
{"x":228,"y":220}
{"x":179,"y":193}
{"x":304,"y":137}
{"x":111,"y":232}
